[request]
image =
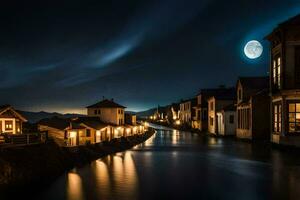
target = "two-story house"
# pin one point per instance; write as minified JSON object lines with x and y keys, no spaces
{"x":253,"y":108}
{"x":216,"y":103}
{"x":201,"y":109}
{"x":186,"y":111}
{"x":10,"y":120}
{"x":285,"y":82}
{"x":108,"y":111}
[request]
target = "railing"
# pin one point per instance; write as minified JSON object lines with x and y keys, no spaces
{"x":23,"y":139}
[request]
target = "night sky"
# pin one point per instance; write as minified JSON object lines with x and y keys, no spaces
{"x":62,"y":56}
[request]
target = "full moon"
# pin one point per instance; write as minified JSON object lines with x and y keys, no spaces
{"x":253,"y":49}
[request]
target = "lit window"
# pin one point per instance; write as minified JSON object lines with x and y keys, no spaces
{"x":294,"y":117}
{"x":277,"y":118}
{"x":277,"y":71}
{"x":8,"y":125}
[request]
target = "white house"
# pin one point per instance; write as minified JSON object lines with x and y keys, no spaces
{"x":227,"y":120}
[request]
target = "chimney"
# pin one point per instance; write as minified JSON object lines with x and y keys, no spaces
{"x":112,"y":99}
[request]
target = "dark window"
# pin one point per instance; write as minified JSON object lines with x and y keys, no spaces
{"x":95,"y":112}
{"x":211,"y":105}
{"x":88,"y":133}
{"x":211,"y":121}
{"x":240,"y":94}
{"x":99,"y":112}
{"x":231,"y":119}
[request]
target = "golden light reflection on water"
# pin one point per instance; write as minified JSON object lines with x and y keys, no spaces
{"x":74,"y":187}
{"x":102,"y":178}
{"x":175,"y":137}
{"x":116,"y":177}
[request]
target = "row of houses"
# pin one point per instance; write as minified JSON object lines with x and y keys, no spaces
{"x":105,"y":120}
{"x":257,"y":107}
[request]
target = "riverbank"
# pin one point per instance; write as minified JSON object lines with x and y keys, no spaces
{"x":44,"y":162}
{"x":178,"y":127}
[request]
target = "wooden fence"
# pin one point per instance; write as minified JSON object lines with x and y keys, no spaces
{"x":23,"y":139}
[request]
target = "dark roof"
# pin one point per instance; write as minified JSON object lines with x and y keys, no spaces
{"x":55,"y":122}
{"x":75,"y":126}
{"x":255,"y":82}
{"x":224,"y":94}
{"x":3,"y":107}
{"x":230,"y":107}
{"x":291,"y":21}
{"x":93,"y":122}
{"x":15,"y":112}
{"x":106,"y":104}
{"x":192,"y":100}
{"x":227,"y":93}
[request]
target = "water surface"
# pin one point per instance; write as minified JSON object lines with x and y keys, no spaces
{"x":181,"y":165}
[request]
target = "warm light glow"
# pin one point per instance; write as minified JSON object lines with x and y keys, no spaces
{"x":74,"y":186}
{"x":73,"y":134}
{"x":98,"y":133}
{"x":177,"y":122}
{"x":116,"y":132}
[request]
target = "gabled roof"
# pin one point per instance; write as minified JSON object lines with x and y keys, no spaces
{"x":224,"y":94}
{"x":291,"y":21}
{"x":55,"y":122}
{"x":106,"y":104}
{"x":192,"y":100}
{"x":254,"y":82}
{"x":92,"y":122}
{"x":5,"y":108}
{"x":230,"y":107}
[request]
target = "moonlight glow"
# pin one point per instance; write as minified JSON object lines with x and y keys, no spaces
{"x":253,"y":49}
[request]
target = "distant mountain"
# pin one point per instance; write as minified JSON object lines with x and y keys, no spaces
{"x":146,"y":113}
{"x":130,"y":112}
{"x":161,"y":109}
{"x":34,"y":117}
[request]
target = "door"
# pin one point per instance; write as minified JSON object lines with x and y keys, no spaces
{"x":220,"y":124}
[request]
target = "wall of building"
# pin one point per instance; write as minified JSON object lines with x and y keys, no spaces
{"x":261,"y":117}
{"x":230,"y":128}
{"x":186,"y":112}
{"x":243,"y":132}
{"x":212,"y":116}
{"x":225,"y":127}
{"x":108,"y":115}
{"x":16,"y":125}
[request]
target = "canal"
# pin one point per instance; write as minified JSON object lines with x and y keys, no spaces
{"x":183,"y":165}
